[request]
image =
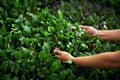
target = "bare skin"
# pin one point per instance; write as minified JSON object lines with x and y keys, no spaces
{"x":103,"y":34}
{"x":102,"y":60}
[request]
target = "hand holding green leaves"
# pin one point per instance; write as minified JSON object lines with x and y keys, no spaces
{"x":62,"y":55}
{"x":90,"y":30}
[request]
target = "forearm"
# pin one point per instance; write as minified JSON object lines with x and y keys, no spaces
{"x":109,"y":34}
{"x":103,"y":60}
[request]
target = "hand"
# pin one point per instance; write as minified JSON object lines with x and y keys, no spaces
{"x":62,"y":55}
{"x":90,"y":30}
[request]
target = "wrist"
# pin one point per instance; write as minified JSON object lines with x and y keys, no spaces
{"x":98,"y":33}
{"x":73,"y":59}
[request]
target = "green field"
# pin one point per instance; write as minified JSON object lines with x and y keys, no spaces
{"x":31,"y":29}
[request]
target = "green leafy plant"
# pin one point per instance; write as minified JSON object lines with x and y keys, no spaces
{"x":29,"y":32}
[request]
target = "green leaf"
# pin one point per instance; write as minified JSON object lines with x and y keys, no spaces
{"x":15,"y":78}
{"x":42,"y":55}
{"x":46,"y":47}
{"x":58,"y":25}
{"x":18,"y":54}
{"x":94,"y":75}
{"x":25,"y":63}
{"x":80,"y":78}
{"x":22,"y":39}
{"x":60,"y":14}
{"x":32,"y":68}
{"x":55,"y":66}
{"x":17,"y":20}
{"x":98,"y":44}
{"x":34,"y":17}
{"x":71,"y":75}
{"x":113,"y":2}
{"x":41,"y":75}
{"x":1,"y":9}
{"x":60,"y":44}
{"x":16,"y":3}
{"x":26,"y":29}
{"x":46,"y":34}
{"x":4,"y":66}
{"x":8,"y":38}
{"x":84,"y":45}
{"x":17,"y":68}
{"x":3,"y":30}
{"x":68,"y":61}
{"x":11,"y":64}
{"x":52,"y":77}
{"x":51,"y":29}
{"x":45,"y":11}
{"x":63,"y":74}
{"x":1,"y":39}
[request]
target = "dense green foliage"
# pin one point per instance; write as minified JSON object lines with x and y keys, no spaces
{"x":110,"y":3}
{"x":30,"y":30}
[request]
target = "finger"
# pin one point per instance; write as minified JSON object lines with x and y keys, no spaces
{"x":73,"y":28}
{"x":58,"y":56}
{"x":84,"y":27}
{"x":57,"y":52}
{"x":57,"y":48}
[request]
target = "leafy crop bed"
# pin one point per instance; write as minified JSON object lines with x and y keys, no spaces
{"x":30,"y":30}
